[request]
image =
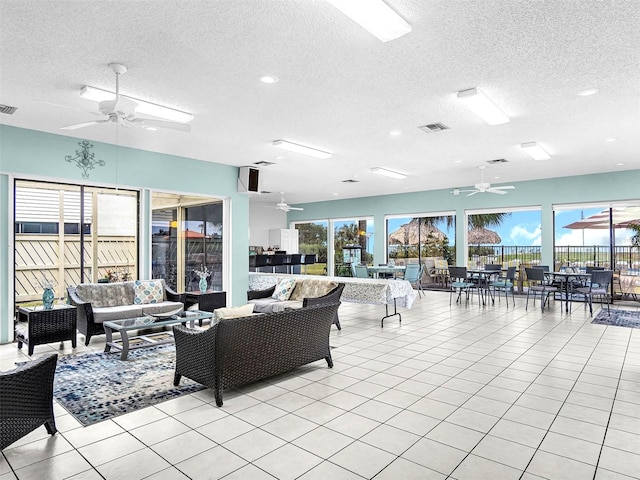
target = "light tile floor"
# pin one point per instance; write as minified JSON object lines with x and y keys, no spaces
{"x":458,"y":392}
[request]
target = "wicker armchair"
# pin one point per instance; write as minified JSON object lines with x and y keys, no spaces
{"x":26,"y":399}
{"x":236,"y":351}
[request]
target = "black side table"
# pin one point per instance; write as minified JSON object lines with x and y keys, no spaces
{"x":207,"y":301}
{"x":47,"y":326}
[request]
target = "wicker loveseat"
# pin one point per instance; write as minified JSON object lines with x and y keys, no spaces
{"x":236,"y":351}
{"x":100,"y":302}
{"x":306,"y":292}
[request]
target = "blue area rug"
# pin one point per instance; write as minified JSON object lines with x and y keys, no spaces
{"x":618,"y":318}
{"x":98,"y":386}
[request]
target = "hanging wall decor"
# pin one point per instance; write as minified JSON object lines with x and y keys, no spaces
{"x":84,"y":159}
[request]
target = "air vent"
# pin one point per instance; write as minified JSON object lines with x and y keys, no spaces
{"x":264,"y":163}
{"x":498,"y":160}
{"x":264,"y":192}
{"x":433,"y":127}
{"x":7,"y":109}
{"x":350,"y":180}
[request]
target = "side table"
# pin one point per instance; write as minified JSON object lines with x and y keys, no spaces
{"x":37,"y":326}
{"x":207,"y":301}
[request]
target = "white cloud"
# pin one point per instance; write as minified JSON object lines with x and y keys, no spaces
{"x":593,"y":237}
{"x":519,"y":235}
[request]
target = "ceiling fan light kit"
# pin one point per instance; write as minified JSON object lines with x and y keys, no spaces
{"x":484,"y":187}
{"x":535,"y":151}
{"x":123,"y":110}
{"x":482,"y":106}
{"x":374,"y":16}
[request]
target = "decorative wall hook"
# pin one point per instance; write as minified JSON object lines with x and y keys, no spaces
{"x":84,"y":159}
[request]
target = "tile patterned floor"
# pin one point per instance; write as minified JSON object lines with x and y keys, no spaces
{"x":460,"y":392}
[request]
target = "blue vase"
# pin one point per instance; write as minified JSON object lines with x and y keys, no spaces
{"x":202,"y":284}
{"x":47,"y":298}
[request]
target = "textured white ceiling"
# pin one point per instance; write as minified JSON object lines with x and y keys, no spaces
{"x":340,"y":88}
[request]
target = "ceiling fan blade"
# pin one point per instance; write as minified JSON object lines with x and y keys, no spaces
{"x":150,"y":124}
{"x":83,"y":124}
{"x":473,"y":192}
{"x":295,"y":208}
{"x":505,"y":187}
{"x":495,"y":190}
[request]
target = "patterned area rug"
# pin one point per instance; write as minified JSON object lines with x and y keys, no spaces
{"x":98,"y":386}
{"x":619,"y":318}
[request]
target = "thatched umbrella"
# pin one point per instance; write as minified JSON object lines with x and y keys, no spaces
{"x":409,"y":233}
{"x":483,"y":236}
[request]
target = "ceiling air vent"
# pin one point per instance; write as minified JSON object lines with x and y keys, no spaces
{"x":498,"y":160}
{"x":433,"y":127}
{"x":350,"y":180}
{"x":7,"y":109}
{"x":264,"y":163}
{"x":264,"y":192}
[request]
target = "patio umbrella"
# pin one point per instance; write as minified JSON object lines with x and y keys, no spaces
{"x":622,"y":218}
{"x":483,"y":236}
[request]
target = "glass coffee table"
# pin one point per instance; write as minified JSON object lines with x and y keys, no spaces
{"x":153,"y":339}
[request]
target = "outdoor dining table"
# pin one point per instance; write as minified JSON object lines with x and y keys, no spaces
{"x":376,"y":271}
{"x":484,"y":278}
{"x":565,"y":283}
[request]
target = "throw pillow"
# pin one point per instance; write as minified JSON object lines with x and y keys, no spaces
{"x":147,"y":291}
{"x":283,"y":289}
{"x":233,"y":312}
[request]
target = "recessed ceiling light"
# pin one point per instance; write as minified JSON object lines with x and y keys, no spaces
{"x":535,"y":151}
{"x":387,"y":173}
{"x":496,"y":177}
{"x":395,"y":133}
{"x":270,"y":79}
{"x":302,"y":149}
{"x":482,"y":106}
{"x":375,"y":16}
{"x":619,"y":164}
{"x":457,"y":161}
{"x":611,"y":139}
{"x":279,"y":157}
{"x":335,"y":194}
{"x":587,"y":92}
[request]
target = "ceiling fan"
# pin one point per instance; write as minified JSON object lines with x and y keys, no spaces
{"x":122,"y":111}
{"x":284,"y":206}
{"x":484,"y":187}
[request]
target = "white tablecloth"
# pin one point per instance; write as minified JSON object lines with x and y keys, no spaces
{"x":356,"y":290}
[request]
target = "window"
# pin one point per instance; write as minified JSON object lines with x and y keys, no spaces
{"x":414,"y":239}
{"x":72,"y":234}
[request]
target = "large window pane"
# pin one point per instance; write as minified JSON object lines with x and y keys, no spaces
{"x":415,"y":239}
{"x":353,"y":243}
{"x":312,"y":239}
{"x":63,"y":230}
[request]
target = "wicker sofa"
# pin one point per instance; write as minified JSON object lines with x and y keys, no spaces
{"x":307,"y":292}
{"x":236,"y":351}
{"x":100,"y":302}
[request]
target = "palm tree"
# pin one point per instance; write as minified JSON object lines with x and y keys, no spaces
{"x":480,"y":220}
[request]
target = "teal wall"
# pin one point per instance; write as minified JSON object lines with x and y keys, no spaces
{"x":600,"y":188}
{"x":41,"y":156}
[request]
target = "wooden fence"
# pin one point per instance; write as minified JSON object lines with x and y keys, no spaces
{"x":58,"y":260}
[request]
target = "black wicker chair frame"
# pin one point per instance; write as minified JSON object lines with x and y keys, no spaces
{"x":332,"y":297}
{"x":236,"y":351}
{"x":26,"y":399}
{"x":89,"y":328}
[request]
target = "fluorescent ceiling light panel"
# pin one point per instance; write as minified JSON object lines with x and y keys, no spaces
{"x":387,"y":173}
{"x":535,"y":151}
{"x":301,"y":149}
{"x":375,"y":16}
{"x":482,"y":106}
{"x":146,"y":108}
